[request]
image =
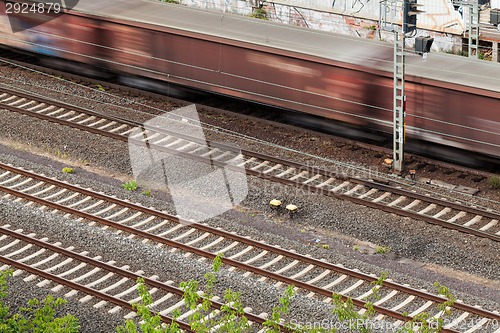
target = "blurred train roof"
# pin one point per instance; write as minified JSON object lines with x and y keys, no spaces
{"x":343,"y":48}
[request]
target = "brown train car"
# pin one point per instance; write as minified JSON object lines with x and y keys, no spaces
{"x":448,"y":115}
{"x":315,"y":73}
{"x":262,"y":75}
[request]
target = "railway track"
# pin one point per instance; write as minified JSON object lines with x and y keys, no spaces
{"x":314,"y":277}
{"x":373,"y":193}
{"x":16,"y":60}
{"x":103,"y":283}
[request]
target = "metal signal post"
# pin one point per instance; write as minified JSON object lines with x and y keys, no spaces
{"x":399,"y":101}
{"x":409,"y":25}
{"x":472,"y":24}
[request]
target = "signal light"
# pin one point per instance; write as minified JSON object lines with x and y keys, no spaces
{"x":423,"y":44}
{"x":410,"y":16}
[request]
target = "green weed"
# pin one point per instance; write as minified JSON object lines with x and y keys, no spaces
{"x":68,"y":170}
{"x":130,"y":185}
{"x":382,"y":249}
{"x":100,"y":88}
{"x":494,"y":182}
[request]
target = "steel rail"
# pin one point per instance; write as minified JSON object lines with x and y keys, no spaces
{"x":317,"y":290}
{"x":87,"y":290}
{"x":289,"y":163}
{"x":75,"y":108}
{"x":118,"y":271}
{"x":392,"y":209}
{"x":375,"y":184}
{"x":202,"y":253}
{"x":116,"y":86}
{"x":380,"y":206}
{"x":238,"y":238}
{"x":62,"y":121}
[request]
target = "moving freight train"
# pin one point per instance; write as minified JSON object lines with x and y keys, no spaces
{"x":453,"y":103}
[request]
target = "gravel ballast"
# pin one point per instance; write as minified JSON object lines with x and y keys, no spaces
{"x":418,"y":253}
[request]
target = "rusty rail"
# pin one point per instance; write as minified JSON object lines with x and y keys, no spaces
{"x":372,"y":184}
{"x":300,"y":284}
{"x":116,"y":270}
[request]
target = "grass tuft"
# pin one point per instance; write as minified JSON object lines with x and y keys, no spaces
{"x":100,"y":88}
{"x":382,"y":249}
{"x":130,"y":185}
{"x":68,"y":170}
{"x":494,"y":182}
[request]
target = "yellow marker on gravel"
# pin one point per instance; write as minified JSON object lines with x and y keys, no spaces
{"x":275,"y":203}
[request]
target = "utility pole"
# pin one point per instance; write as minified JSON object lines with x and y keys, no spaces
{"x":472,"y":24}
{"x":409,"y":25}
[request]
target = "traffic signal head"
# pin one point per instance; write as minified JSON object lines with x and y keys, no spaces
{"x":423,"y":44}
{"x":410,"y":16}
